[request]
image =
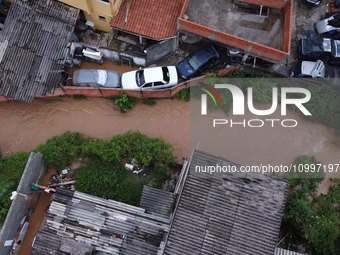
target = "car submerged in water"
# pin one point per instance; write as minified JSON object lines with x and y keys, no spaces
{"x":150,"y":78}
{"x":199,"y":61}
{"x":96,"y":78}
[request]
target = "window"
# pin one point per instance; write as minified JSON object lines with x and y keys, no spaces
{"x":102,"y":18}
{"x":166,"y":75}
{"x":194,"y":62}
{"x":140,"y":77}
{"x":159,"y":83}
{"x":105,"y":1}
{"x":147,"y":85}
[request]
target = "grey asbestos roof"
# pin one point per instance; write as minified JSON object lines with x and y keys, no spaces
{"x":227,"y":216}
{"x":156,"y":201}
{"x":78,"y":223}
{"x":33,"y":47}
{"x":280,"y":251}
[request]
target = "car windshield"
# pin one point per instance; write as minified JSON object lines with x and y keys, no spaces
{"x":140,"y":80}
{"x":335,"y":48}
{"x":102,"y":77}
{"x":166,"y":74}
{"x":194,"y":61}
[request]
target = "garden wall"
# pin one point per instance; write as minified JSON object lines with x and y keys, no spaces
{"x":105,"y":92}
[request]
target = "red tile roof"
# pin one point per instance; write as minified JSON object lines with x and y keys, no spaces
{"x":151,"y":18}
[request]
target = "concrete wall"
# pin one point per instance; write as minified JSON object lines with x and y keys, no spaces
{"x":33,"y":173}
{"x":278,"y":4}
{"x":228,"y":39}
{"x":114,"y":55}
{"x":159,"y":50}
{"x":287,"y":29}
{"x":95,"y":8}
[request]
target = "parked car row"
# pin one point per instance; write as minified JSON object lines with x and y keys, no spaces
{"x":149,"y":78}
{"x":320,"y":50}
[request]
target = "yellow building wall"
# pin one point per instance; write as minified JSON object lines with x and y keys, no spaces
{"x":94,"y":9}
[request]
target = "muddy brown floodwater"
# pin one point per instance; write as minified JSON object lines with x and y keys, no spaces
{"x":256,"y":146}
{"x":24,"y":126}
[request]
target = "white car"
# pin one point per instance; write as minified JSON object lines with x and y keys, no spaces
{"x":150,"y":78}
{"x":310,"y":69}
{"x":329,"y":25}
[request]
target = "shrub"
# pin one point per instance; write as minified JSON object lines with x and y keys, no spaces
{"x":324,"y":106}
{"x":109,"y":181}
{"x":184,"y":94}
{"x":123,"y":101}
{"x":311,"y":218}
{"x":60,"y":150}
{"x":143,"y":149}
{"x":309,"y":178}
{"x":79,"y":97}
{"x":149,"y":101}
{"x":11,"y":170}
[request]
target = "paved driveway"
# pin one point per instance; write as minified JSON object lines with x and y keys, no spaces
{"x":304,"y":18}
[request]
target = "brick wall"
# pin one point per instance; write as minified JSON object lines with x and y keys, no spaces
{"x":184,"y":7}
{"x":228,"y":39}
{"x":267,"y":52}
{"x":103,"y":92}
{"x":279,"y":4}
{"x":195,"y":28}
{"x":287,"y":29}
{"x":232,"y":40}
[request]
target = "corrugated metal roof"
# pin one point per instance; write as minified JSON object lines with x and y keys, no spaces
{"x":280,"y":251}
{"x":108,"y":226}
{"x":227,"y":216}
{"x":156,"y":201}
{"x":32,"y":47}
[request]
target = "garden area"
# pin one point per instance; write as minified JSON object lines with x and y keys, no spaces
{"x":310,"y":220}
{"x":102,"y":172}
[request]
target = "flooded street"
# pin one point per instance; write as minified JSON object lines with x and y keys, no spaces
{"x":24,"y":126}
{"x":256,"y":146}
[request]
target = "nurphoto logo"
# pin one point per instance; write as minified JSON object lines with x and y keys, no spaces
{"x":238,"y":105}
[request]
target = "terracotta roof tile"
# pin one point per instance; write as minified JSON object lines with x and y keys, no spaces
{"x":151,"y":18}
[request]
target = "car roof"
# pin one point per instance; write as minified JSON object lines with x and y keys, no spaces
{"x":86,"y":75}
{"x":206,"y":53}
{"x":307,"y":67}
{"x":153,"y":74}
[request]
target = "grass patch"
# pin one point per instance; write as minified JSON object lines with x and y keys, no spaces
{"x":79,"y":97}
{"x":51,"y":101}
{"x":11,"y":170}
{"x":149,"y":101}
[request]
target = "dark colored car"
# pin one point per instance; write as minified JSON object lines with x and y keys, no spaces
{"x":314,"y":47}
{"x":96,"y":78}
{"x":329,"y":25}
{"x":312,"y":2}
{"x":197,"y":62}
{"x":63,"y":78}
{"x":309,"y":69}
{"x":237,"y":56}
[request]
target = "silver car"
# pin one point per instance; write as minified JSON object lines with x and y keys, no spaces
{"x":96,"y":78}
